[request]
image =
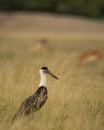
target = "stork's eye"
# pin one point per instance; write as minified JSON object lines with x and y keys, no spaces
{"x":45,"y":70}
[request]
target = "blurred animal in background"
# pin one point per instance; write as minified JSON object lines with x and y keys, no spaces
{"x":89,"y":57}
{"x":42,"y":44}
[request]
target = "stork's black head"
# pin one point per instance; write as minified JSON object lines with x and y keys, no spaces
{"x":45,"y":70}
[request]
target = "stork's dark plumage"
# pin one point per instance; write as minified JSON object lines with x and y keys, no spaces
{"x":37,"y":100}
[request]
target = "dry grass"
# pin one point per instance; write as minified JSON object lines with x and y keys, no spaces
{"x":75,"y":102}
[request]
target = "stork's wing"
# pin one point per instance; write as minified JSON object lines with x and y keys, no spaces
{"x":26,"y":107}
{"x":32,"y":103}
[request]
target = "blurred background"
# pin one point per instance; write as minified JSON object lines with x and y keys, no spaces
{"x":90,"y":8}
{"x":66,"y":16}
{"x":68,"y":37}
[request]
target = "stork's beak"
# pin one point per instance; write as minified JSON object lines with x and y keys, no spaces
{"x":50,"y":73}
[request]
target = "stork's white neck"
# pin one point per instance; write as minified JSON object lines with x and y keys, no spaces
{"x":43,"y":80}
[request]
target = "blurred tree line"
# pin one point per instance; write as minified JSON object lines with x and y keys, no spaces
{"x":90,"y":8}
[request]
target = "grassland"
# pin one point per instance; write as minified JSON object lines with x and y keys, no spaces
{"x":75,"y":102}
